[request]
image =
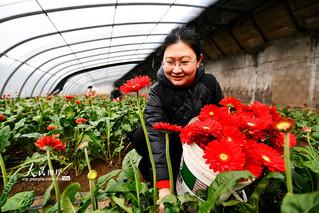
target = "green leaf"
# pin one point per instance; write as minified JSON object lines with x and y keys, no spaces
{"x":105,"y":178}
{"x":169,"y":199}
{"x":131,"y":158}
{"x":295,"y":203}
{"x":47,"y":194}
{"x":4,"y":138}
{"x":19,"y":201}
{"x":185,"y":198}
{"x":19,"y":124}
{"x":223,"y":183}
{"x":31,"y":135}
{"x":313,"y":165}
{"x":68,"y":197}
{"x":5,"y":193}
{"x":262,"y":185}
{"x":121,"y":203}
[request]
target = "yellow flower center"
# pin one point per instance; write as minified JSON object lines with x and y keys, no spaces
{"x":229,"y":139}
{"x":211,"y":113}
{"x":250,"y":124}
{"x":223,"y":156}
{"x":205,"y":127}
{"x":283,"y":125}
{"x":266,"y":158}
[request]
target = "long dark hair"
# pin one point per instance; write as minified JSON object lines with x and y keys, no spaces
{"x":187,"y":35}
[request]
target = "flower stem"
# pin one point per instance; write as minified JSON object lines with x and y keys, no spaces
{"x":287,"y":164}
{"x":55,"y":183}
{"x":149,"y":149}
{"x":3,"y":171}
{"x":169,"y":164}
{"x":92,"y":189}
{"x":87,"y":158}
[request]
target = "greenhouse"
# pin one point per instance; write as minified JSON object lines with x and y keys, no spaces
{"x":159,"y":106}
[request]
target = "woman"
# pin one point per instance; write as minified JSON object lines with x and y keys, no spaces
{"x":182,"y":89}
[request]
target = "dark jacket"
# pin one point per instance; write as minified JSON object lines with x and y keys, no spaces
{"x":168,"y":103}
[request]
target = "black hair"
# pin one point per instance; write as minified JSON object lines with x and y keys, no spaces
{"x":186,"y":35}
{"x":90,"y":87}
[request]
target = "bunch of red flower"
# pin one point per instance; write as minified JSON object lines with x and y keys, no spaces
{"x":236,"y":136}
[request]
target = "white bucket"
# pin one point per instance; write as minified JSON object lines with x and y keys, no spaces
{"x":195,"y":175}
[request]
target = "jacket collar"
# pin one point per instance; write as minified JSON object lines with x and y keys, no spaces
{"x":163,"y":80}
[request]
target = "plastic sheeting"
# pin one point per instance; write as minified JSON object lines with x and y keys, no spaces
{"x":44,"y":41}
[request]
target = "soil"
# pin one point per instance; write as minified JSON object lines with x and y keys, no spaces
{"x":40,"y":184}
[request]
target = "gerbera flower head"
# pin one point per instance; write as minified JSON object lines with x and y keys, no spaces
{"x":51,"y":127}
{"x":2,"y":117}
{"x":78,"y":102}
{"x":224,"y":156}
{"x":278,"y":140}
{"x":166,"y":127}
{"x":49,"y":142}
{"x":231,"y":103}
{"x":49,"y":97}
{"x":81,"y":120}
{"x":69,"y":97}
{"x":135,"y":84}
{"x":255,"y":127}
{"x":211,"y":111}
{"x":232,"y":134}
{"x":306,"y":129}
{"x":284,"y":125}
{"x":201,"y":132}
{"x":267,"y":156}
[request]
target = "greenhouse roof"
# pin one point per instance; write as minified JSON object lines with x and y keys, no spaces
{"x":91,"y":41}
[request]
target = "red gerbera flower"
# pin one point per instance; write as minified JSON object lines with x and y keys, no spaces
{"x":167,"y":127}
{"x":135,"y":84}
{"x":49,"y":97}
{"x":78,"y":102}
{"x":255,"y":127}
{"x":212,"y":111}
{"x":278,"y":140}
{"x":231,"y":103}
{"x":50,"y":142}
{"x":69,"y":97}
{"x":254,"y":166}
{"x":285,"y":125}
{"x":2,"y":117}
{"x":81,"y":120}
{"x":233,"y":135}
{"x":306,"y":129}
{"x":224,"y":156}
{"x":267,"y":156}
{"x":201,"y":132}
{"x":49,"y":128}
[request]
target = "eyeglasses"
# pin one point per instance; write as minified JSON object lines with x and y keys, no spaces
{"x":184,"y":64}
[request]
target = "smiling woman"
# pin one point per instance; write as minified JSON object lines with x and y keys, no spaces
{"x":182,"y":89}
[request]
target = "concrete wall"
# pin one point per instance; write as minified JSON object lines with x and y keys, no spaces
{"x":284,"y":72}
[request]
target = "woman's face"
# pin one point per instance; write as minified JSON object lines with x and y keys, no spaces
{"x":180,"y":64}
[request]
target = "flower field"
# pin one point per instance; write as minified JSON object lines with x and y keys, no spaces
{"x":276,"y":148}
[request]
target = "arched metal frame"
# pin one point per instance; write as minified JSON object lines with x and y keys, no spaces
{"x":65,"y":79}
{"x":70,"y":73}
{"x":46,"y":12}
{"x":62,"y":69}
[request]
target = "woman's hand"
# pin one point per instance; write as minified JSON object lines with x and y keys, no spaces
{"x":161,"y":194}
